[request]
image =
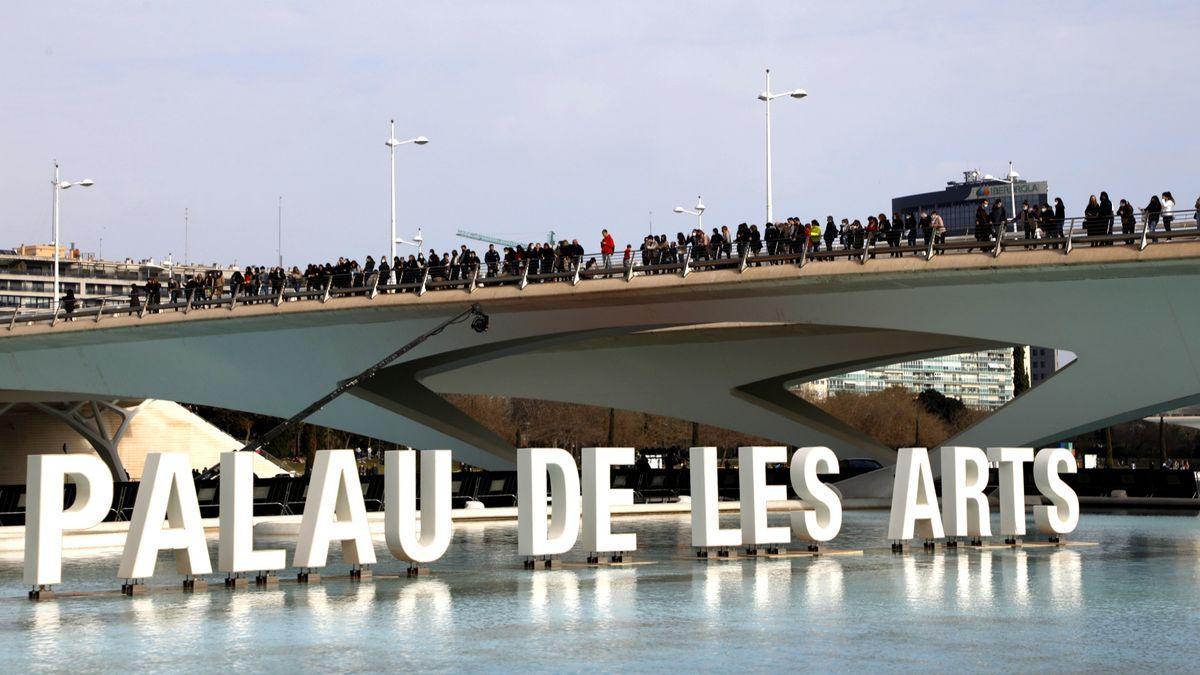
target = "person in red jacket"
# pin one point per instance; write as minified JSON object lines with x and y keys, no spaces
{"x":607,"y":246}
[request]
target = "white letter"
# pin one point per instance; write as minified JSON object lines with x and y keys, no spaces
{"x":706,"y":517}
{"x":45,"y":519}
{"x":965,"y":509}
{"x":755,"y":493}
{"x":400,"y":497}
{"x":338,"y":493}
{"x":532,"y":536}
{"x":824,"y":520}
{"x":914,"y":502}
{"x":167,"y":493}
{"x":1012,"y":487}
{"x":1063,"y":515}
{"x":599,"y":497}
{"x":235,"y":546}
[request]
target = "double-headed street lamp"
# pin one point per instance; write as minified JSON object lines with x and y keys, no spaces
{"x":766,"y":97}
{"x":698,"y":212}
{"x":59,"y":185}
{"x":1012,"y":190}
{"x":392,"y":143}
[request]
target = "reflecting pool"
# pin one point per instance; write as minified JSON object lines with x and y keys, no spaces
{"x":1131,"y":601}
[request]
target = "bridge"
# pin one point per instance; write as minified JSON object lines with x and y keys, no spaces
{"x":715,"y":341}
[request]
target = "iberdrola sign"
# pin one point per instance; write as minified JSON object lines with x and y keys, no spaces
{"x":166,"y":514}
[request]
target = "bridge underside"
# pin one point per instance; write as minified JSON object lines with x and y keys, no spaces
{"x":720,"y":348}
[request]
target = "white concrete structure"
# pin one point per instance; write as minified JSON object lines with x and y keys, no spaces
{"x":721,"y":347}
{"x":127,"y":431}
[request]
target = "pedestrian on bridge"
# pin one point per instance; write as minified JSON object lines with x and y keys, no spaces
{"x":607,"y":247}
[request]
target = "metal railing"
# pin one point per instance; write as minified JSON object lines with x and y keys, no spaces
{"x":681,"y":259}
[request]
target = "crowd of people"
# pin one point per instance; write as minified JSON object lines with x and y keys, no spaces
{"x":901,"y":233}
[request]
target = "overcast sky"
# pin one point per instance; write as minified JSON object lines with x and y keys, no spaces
{"x":553,"y":116}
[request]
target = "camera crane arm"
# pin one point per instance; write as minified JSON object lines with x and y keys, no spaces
{"x":479,"y":324}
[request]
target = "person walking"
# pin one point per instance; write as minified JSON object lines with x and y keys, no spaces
{"x":607,"y":247}
{"x":982,"y":226}
{"x":1153,"y":212}
{"x":1168,"y":210}
{"x":1125,"y":213}
{"x":1106,"y":216}
{"x":1093,"y":224}
{"x":68,"y":303}
{"x":999,"y":217}
{"x":135,"y":298}
{"x":1060,"y":217}
{"x":939,"y":231}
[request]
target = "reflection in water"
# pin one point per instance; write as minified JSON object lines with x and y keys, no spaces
{"x":823,"y":583}
{"x":623,"y":580}
{"x":772,"y":578}
{"x":1019,"y":592}
{"x":424,"y":603}
{"x":44,"y":646}
{"x":563,"y":585}
{"x":924,"y":579}
{"x":974,"y":584}
{"x":719,"y":576}
{"x":1066,"y":579}
{"x":241,"y":606}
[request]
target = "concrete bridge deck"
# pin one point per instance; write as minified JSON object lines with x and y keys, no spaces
{"x":1131,"y":317}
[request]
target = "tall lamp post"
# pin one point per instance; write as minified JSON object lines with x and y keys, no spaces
{"x":1012,"y":191}
{"x":392,"y":143}
{"x":60,"y":185}
{"x":698,"y":212}
{"x":766,"y":97}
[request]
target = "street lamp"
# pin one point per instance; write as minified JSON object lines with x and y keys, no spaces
{"x":766,"y":97}
{"x":1012,"y":190}
{"x":59,"y":185}
{"x":392,"y":143}
{"x":698,"y":212}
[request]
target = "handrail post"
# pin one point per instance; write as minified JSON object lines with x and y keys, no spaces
{"x":54,"y":318}
{"x":687,"y":261}
{"x":233,"y":296}
{"x":524,"y":276}
{"x":803,"y":252}
{"x":575,"y":278}
{"x":744,"y":255}
{"x":328,"y":288}
{"x":629,"y":270}
{"x":1070,"y":234}
{"x":187,"y":308}
{"x":99,"y":311}
{"x":929,"y":248}
{"x":374,"y":288}
{"x":999,"y":241}
{"x":142,"y":307}
{"x":424,"y":281}
{"x":1145,"y":233}
{"x":475,"y":279}
{"x":13,"y":321}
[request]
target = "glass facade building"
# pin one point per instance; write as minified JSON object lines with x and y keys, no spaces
{"x":979,"y":379}
{"x":957,"y":203}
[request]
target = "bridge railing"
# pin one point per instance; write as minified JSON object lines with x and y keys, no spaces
{"x":681,"y":259}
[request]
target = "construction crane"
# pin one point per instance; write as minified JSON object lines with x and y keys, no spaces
{"x":475,"y":236}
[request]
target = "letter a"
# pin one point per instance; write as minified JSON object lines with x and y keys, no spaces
{"x":914,"y":502}
{"x":334,"y":512}
{"x":167,"y":493}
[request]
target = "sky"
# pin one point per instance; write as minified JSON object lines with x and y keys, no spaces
{"x":564,"y":116}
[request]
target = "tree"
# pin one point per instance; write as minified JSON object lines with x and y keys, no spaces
{"x":1020,"y":372}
